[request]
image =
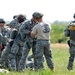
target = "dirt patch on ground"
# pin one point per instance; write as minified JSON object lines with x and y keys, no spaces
{"x":59,"y":45}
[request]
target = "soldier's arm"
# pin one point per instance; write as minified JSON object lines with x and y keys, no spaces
{"x":34,"y":31}
{"x":14,"y":34}
{"x":67,"y":31}
{"x":0,"y":38}
{"x":32,"y":34}
{"x":15,"y":24}
{"x":24,"y":28}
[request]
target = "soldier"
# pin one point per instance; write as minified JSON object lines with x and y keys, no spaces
{"x":70,"y":32}
{"x":14,"y":24}
{"x":26,"y":28}
{"x":30,"y":62}
{"x":16,"y":49}
{"x":17,"y":20}
{"x":6,"y":51}
{"x":4,"y":32}
{"x":42,"y":33}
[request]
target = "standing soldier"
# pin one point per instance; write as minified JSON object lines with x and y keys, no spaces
{"x":3,"y":31}
{"x":42,"y":33}
{"x":70,"y":32}
{"x":26,"y":28}
{"x":3,"y":34}
{"x":16,"y":49}
{"x":14,"y":25}
{"x":6,"y":51}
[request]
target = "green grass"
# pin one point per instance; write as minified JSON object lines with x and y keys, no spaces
{"x":60,"y":59}
{"x":57,"y":33}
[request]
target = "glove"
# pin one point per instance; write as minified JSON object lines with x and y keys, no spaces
{"x":0,"y":47}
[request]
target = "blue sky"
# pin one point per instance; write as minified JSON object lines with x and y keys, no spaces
{"x":61,"y":10}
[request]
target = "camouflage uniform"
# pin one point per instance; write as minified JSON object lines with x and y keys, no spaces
{"x":16,"y":49}
{"x":3,"y":33}
{"x":16,"y":52}
{"x":6,"y":51}
{"x":30,"y":62}
{"x":29,"y":58}
{"x":30,"y":42}
{"x":42,"y":33}
{"x":5,"y":36}
{"x":70,"y":33}
{"x":26,"y":29}
{"x":15,"y":23}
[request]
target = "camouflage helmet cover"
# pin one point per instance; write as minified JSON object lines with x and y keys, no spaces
{"x":2,"y":20}
{"x":13,"y":23}
{"x":37,"y":15}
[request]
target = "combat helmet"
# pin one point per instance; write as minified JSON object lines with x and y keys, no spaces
{"x":2,"y":20}
{"x":74,"y":16}
{"x":21,"y":18}
{"x":37,"y":15}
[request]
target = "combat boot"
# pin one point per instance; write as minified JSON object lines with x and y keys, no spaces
{"x":52,"y":70}
{"x":69,"y":68}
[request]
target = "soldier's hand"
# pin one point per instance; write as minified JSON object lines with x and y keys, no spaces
{"x":9,"y":40}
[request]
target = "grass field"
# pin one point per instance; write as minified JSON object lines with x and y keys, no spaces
{"x":60,"y":55}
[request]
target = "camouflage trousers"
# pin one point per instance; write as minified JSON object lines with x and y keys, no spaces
{"x":15,"y":55}
{"x":27,"y":46}
{"x":72,"y":56}
{"x":5,"y":53}
{"x":26,"y":49}
{"x":43,"y":48}
{"x":4,"y":59}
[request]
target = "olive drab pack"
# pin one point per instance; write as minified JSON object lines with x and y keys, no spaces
{"x":72,"y":26}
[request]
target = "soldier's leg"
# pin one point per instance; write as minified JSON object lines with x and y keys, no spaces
{"x":70,"y":63}
{"x":17,"y":60}
{"x":5,"y":53}
{"x":12,"y":56}
{"x":71,"y":58}
{"x":33,"y":51}
{"x":22,"y":61}
{"x":48,"y":56}
{"x":18,"y":56}
{"x":38,"y":55}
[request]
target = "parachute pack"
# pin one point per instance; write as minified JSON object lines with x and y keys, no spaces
{"x":72,"y":26}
